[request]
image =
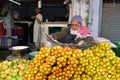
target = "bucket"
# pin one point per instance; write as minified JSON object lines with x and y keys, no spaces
{"x":31,"y":54}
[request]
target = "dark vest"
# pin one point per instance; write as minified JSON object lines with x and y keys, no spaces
{"x":69,"y":38}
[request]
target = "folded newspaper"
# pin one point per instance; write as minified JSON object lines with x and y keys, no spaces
{"x":55,"y":42}
{"x":72,"y":45}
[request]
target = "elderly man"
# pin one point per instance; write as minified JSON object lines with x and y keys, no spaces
{"x":76,"y":33}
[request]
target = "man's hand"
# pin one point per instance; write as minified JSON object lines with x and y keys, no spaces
{"x":33,"y":17}
{"x":48,"y":38}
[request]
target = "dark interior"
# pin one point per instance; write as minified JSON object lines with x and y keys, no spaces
{"x":53,"y":10}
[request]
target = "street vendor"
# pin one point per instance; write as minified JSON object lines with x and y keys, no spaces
{"x":76,"y":33}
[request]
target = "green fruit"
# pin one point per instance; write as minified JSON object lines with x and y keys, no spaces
{"x":21,"y":73}
{"x":13,"y":78}
{"x":13,"y":74}
{"x":4,"y":67}
{"x":1,"y":79}
{"x":0,"y":68}
{"x":8,"y":77}
{"x":3,"y":76}
{"x":20,"y":78}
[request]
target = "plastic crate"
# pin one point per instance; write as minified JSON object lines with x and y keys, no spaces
{"x":117,"y":43}
{"x":117,"y":50}
{"x":32,"y":54}
{"x":8,"y":41}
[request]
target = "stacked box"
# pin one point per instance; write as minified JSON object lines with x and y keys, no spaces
{"x":8,"y":41}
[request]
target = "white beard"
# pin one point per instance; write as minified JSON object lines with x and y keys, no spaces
{"x":73,"y":32}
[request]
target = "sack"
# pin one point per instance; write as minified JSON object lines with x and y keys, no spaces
{"x":101,"y":39}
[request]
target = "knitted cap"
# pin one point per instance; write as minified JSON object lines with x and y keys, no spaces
{"x":77,"y":18}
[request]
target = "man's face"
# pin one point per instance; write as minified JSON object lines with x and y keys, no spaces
{"x":37,"y":10}
{"x":75,"y":25}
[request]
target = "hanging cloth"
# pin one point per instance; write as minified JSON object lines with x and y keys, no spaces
{"x":2,"y":29}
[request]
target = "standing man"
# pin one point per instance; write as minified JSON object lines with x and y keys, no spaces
{"x":36,"y":30}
